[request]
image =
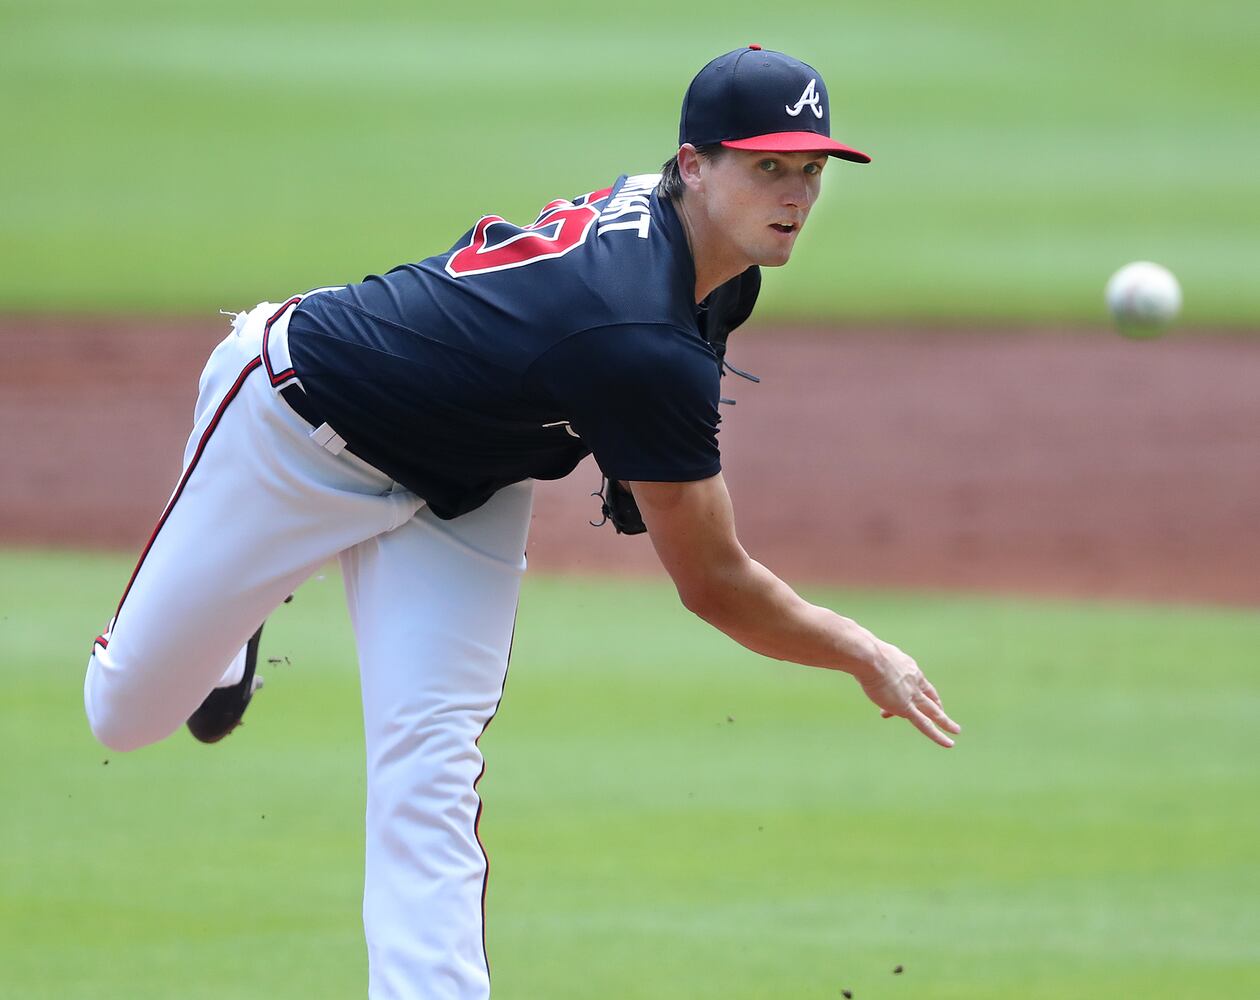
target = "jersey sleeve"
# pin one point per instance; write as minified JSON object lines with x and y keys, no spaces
{"x":643,"y":399}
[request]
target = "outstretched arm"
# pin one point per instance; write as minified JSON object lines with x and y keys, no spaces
{"x":692,"y":527}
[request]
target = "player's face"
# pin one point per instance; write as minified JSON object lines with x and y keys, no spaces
{"x":758,"y":202}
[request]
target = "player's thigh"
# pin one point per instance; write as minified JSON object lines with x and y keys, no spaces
{"x":258,"y":508}
{"x":434,"y":605}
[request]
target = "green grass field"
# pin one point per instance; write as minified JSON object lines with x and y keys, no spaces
{"x":186,"y":156}
{"x":667,"y":815}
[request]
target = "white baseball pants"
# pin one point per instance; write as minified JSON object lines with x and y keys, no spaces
{"x":263,"y":502}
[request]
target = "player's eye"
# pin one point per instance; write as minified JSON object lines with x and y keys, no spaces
{"x":768,"y":165}
{"x":813,"y":168}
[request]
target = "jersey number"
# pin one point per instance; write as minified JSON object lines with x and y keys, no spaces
{"x":497,"y":245}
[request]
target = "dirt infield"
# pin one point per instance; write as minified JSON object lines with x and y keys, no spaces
{"x":1051,"y":462}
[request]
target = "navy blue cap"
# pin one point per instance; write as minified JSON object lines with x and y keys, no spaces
{"x":753,"y":98}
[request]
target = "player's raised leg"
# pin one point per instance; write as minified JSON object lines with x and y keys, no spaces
{"x":258,"y":508}
{"x":433,"y":605}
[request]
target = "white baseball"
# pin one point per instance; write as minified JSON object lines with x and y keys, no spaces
{"x":1143,"y":298}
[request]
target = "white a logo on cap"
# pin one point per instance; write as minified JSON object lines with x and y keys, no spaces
{"x":810,"y":98}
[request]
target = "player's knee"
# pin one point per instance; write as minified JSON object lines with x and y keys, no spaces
{"x":112,"y":723}
{"x":113,"y":733}
{"x":112,"y":729}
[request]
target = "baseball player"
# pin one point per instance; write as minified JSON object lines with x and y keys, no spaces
{"x":397,"y":424}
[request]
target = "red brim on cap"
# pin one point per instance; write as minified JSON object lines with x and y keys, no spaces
{"x":798,"y":142}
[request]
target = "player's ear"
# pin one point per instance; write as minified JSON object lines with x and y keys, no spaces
{"x":689,"y":161}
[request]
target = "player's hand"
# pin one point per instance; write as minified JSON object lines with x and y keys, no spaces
{"x":898,"y":687}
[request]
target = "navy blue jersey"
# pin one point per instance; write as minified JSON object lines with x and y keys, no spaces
{"x":521,"y":350}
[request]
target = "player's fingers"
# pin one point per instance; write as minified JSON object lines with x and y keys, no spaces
{"x":925,"y":725}
{"x":936,"y":713}
{"x":930,"y":703}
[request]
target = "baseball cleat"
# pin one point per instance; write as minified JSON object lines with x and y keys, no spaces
{"x":223,"y":708}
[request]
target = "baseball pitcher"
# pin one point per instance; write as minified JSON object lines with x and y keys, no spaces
{"x":398,"y":423}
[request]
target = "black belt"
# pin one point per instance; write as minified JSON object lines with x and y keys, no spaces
{"x":300,"y":403}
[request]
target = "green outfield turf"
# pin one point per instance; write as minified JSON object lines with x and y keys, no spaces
{"x":667,"y":816}
{"x":181,"y":157}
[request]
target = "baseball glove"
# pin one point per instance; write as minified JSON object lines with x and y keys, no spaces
{"x":618,"y":506}
{"x":725,"y":309}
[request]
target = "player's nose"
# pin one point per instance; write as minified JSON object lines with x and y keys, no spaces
{"x":797,"y":193}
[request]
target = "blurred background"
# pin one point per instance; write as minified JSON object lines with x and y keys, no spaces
{"x":168,"y":156}
{"x":949,"y":444}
